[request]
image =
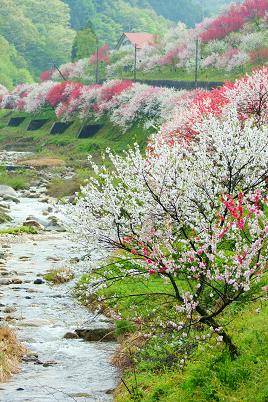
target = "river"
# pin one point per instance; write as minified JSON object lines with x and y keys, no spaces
{"x":57,"y":369}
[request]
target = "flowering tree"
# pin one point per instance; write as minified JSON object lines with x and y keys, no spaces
{"x":3,"y":91}
{"x":16,"y":98}
{"x":103,"y":55}
{"x":47,"y":75}
{"x":234,"y":19}
{"x":36,"y":99}
{"x":193,"y":214}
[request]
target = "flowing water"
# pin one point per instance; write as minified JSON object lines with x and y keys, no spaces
{"x":65,"y":369}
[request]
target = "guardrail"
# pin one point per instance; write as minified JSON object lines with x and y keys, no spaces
{"x":183,"y":84}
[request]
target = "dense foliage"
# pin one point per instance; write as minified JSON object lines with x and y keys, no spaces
{"x":190,"y":12}
{"x":109,"y":18}
{"x":39,"y":31}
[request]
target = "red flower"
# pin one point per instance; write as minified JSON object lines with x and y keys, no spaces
{"x":103,"y":55}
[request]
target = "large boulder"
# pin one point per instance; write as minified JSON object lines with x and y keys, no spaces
{"x":33,"y":224}
{"x":7,"y":193}
{"x":97,"y":334}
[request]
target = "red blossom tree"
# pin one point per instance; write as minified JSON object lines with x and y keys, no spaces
{"x":103,"y":55}
{"x":58,"y":94}
{"x":46,"y":75}
{"x":234,"y":18}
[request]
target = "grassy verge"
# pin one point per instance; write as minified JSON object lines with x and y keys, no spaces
{"x":19,"y":179}
{"x":19,"y":230}
{"x":11,"y":353}
{"x":179,"y":74}
{"x":152,"y":366}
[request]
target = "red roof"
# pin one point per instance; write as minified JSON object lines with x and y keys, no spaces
{"x":140,"y":39}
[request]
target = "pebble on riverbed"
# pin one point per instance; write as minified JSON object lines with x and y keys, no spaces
{"x":39,"y":281}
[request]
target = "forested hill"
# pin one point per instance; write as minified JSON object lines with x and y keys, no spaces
{"x":132,"y":13}
{"x":32,"y":33}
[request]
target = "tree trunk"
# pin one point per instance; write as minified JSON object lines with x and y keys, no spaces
{"x":225,"y":337}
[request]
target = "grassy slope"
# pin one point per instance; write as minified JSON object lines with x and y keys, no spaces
{"x":67,"y":144}
{"x":210,"y":374}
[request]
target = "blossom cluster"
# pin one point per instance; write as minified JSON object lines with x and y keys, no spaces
{"x":234,"y":18}
{"x":228,"y":41}
{"x":247,"y":95}
{"x":3,"y":91}
{"x":191,"y":212}
{"x":127,"y":103}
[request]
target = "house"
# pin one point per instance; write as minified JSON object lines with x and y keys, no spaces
{"x":137,"y":39}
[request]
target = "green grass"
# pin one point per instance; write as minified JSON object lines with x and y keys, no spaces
{"x":19,"y":230}
{"x":4,"y":216}
{"x":67,"y":144}
{"x":210,"y":374}
{"x":179,"y":74}
{"x":19,"y":179}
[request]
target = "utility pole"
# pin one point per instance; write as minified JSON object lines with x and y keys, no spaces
{"x":196,"y":61}
{"x":202,"y":10}
{"x":97,"y":62}
{"x":54,"y":66}
{"x":135,"y":63}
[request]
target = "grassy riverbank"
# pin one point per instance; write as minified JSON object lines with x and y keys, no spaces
{"x":66,"y":148}
{"x":151,"y":367}
{"x":11,"y":352}
{"x":67,"y":145}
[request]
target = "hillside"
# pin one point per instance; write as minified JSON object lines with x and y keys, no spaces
{"x":36,"y":34}
{"x":189,"y":12}
{"x":230,"y":44}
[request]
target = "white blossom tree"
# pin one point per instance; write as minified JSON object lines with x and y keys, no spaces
{"x":193,"y":214}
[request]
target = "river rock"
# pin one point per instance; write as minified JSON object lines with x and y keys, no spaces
{"x":71,"y":335}
{"x":39,"y":281}
{"x":9,"y":310}
{"x":31,"y":358}
{"x":4,"y":205}
{"x":97,"y":334}
{"x":10,"y":281}
{"x":7,"y":193}
{"x":49,"y":363}
{"x":33,"y":224}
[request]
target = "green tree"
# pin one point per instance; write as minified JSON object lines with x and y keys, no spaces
{"x":13,"y":67}
{"x":39,"y":30}
{"x":84,"y":43}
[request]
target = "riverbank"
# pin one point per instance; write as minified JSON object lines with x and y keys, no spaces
{"x":154,"y":369}
{"x":11,"y":353}
{"x":67,"y":145}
